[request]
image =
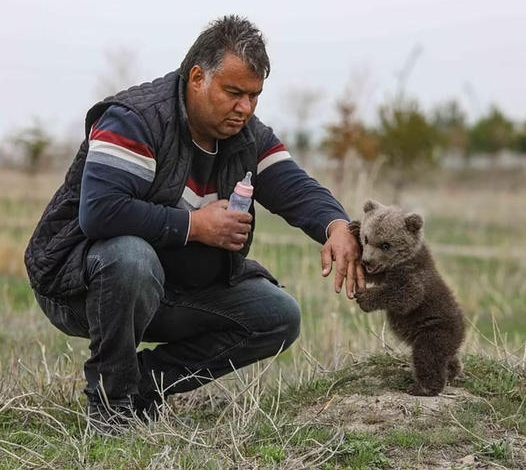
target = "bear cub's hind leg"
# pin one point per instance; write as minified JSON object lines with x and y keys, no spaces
{"x":454,"y":368}
{"x":431,"y":366}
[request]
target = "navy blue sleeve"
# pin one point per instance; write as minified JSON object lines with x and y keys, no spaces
{"x":120,"y":167}
{"x":285,"y":189}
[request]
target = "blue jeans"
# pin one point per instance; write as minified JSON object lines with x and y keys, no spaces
{"x":203,"y":334}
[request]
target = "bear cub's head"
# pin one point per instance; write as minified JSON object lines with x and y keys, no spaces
{"x":389,"y":236}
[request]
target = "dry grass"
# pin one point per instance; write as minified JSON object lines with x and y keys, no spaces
{"x":255,"y":418}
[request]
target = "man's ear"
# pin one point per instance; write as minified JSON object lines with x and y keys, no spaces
{"x":413,"y":222}
{"x":370,"y":205}
{"x":196,"y":76}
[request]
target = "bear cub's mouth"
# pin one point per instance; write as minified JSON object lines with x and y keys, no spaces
{"x":373,"y":269}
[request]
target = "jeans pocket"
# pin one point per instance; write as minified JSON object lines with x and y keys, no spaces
{"x":63,"y":317}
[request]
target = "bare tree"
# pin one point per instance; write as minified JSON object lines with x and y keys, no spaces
{"x":303,"y":103}
{"x":450,"y":123}
{"x":403,"y":74}
{"x":121,"y":71}
{"x":348,"y":136}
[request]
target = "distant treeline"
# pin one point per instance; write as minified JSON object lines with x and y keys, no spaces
{"x":406,"y":135}
{"x":405,"y":138}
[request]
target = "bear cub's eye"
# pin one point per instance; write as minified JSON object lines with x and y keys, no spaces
{"x":365,"y":240}
{"x":385,"y":246}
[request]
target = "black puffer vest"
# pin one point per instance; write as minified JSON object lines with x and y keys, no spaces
{"x":56,"y":253}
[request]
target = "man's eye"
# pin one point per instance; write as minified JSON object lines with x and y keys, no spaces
{"x":385,"y":246}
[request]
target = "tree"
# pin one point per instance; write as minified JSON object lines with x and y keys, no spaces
{"x":348,"y":136}
{"x":120,"y":71}
{"x":302,"y":102}
{"x":492,"y":133}
{"x":34,"y":142}
{"x":520,"y":139}
{"x":407,"y":140}
{"x":449,"y":121}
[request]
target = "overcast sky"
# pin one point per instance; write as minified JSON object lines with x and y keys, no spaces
{"x":53,"y":52}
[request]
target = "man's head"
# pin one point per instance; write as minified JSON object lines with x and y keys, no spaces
{"x":230,"y":34}
{"x":224,"y":70}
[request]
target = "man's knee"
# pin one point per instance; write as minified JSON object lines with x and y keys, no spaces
{"x":130,"y":259}
{"x":291,"y":317}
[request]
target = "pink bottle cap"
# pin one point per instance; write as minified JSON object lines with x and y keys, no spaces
{"x":244,"y":188}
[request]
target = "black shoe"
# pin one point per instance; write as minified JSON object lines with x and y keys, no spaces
{"x":146,"y":410}
{"x":110,"y":417}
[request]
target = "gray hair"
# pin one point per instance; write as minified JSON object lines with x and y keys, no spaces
{"x":229,"y":34}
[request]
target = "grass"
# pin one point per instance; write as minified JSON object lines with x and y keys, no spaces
{"x":255,"y":426}
{"x":335,"y":400}
{"x":451,"y":230}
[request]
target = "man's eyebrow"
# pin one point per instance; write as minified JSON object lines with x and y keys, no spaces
{"x":241,"y":90}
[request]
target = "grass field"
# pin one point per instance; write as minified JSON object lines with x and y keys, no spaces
{"x":334,"y":400}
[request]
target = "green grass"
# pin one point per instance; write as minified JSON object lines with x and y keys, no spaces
{"x":270,"y":428}
{"x":15,"y":294}
{"x":335,"y":400}
{"x":455,"y":231}
{"x":502,"y":387}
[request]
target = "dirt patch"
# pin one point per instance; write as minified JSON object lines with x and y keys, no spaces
{"x":380,"y":412}
{"x":398,"y":411}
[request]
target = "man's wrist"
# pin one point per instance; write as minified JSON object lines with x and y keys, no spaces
{"x":335,"y":223}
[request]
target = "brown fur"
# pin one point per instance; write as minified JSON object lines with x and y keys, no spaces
{"x":421,"y":309}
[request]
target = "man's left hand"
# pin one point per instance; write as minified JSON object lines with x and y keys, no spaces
{"x":343,"y":248}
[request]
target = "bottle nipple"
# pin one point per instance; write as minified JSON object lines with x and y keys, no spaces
{"x":247,"y":179}
{"x":244,"y":187}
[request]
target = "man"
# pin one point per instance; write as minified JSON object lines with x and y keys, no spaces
{"x":137,"y":244}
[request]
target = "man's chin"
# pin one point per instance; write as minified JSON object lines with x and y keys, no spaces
{"x":228,"y":131}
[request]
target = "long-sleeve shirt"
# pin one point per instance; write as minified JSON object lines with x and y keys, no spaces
{"x":120,"y":167}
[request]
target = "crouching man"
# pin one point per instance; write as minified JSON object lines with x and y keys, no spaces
{"x":137,"y":244}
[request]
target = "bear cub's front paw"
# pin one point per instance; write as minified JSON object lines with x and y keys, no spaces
{"x":364,"y":300}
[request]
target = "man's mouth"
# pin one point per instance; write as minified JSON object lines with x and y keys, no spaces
{"x":236,"y":122}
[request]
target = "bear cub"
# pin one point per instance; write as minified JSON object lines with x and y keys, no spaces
{"x":404,"y":281}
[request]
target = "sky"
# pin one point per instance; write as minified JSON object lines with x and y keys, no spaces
{"x":54,"y":53}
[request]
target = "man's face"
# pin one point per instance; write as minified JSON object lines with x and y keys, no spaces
{"x":219,"y":106}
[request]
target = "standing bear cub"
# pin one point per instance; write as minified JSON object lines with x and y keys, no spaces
{"x":421,"y":309}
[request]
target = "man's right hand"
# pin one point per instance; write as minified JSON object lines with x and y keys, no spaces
{"x":214,"y":225}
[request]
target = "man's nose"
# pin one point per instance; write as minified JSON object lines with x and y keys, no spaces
{"x":244,"y":105}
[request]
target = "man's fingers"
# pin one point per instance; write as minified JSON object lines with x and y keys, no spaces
{"x":238,"y":238}
{"x":222,"y":203}
{"x":326,"y":261}
{"x":338,"y":279}
{"x":233,"y":246}
{"x":243,"y":228}
{"x":242,"y":217}
{"x":351,"y":280}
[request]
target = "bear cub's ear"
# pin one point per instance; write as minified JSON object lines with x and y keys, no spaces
{"x":370,"y":205}
{"x":413,"y":222}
